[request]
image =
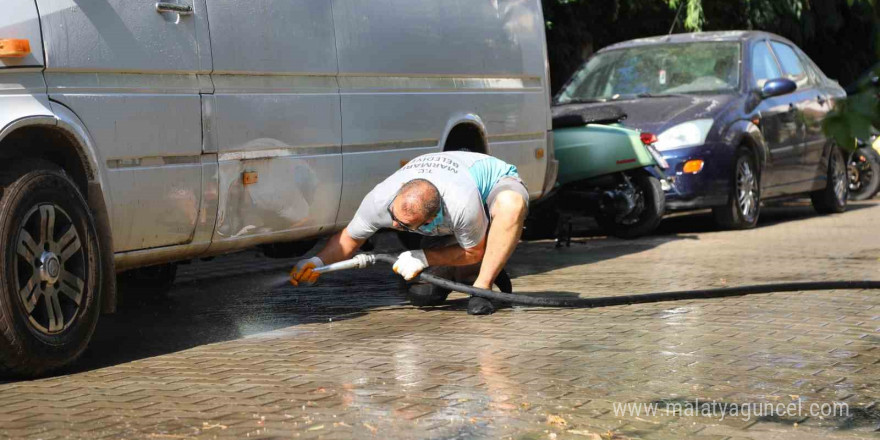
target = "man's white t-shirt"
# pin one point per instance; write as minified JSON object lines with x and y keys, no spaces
{"x":464,"y":180}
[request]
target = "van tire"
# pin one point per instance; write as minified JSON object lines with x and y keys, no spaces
{"x":59,"y":273}
{"x":541,"y":224}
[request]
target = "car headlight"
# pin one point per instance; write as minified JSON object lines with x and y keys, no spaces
{"x":683,"y":135}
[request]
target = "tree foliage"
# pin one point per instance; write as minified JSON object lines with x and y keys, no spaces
{"x":840,"y":35}
{"x":693,"y":13}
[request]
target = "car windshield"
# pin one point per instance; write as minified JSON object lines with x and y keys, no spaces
{"x":656,"y":70}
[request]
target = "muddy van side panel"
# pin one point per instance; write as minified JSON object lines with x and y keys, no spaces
{"x":130,"y":72}
{"x":276,"y":116}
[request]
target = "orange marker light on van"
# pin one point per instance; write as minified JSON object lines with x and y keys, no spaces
{"x":249,"y":177}
{"x":539,"y":153}
{"x":693,"y":166}
{"x":12,"y":48}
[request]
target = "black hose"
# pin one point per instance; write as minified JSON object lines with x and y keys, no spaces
{"x":607,"y":301}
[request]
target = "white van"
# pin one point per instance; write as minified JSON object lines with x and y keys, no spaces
{"x":136,"y":133}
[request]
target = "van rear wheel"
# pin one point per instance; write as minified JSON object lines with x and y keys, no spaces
{"x":51,"y":273}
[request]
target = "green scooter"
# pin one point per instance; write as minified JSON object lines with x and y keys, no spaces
{"x":606,"y":171}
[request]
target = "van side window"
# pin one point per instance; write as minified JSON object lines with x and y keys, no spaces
{"x":791,"y":64}
{"x":764,"y":66}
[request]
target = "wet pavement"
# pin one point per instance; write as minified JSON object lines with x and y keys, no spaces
{"x":231,"y":352}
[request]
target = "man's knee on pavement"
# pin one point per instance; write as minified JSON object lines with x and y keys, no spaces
{"x":509,"y":204}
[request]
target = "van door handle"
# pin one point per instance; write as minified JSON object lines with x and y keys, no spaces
{"x":174,"y":7}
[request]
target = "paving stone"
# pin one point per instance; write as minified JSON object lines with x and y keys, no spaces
{"x":357,"y":361}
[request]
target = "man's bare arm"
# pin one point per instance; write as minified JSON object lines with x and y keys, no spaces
{"x":339,"y":247}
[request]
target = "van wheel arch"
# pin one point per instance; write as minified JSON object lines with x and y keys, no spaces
{"x":467,"y":136}
{"x":50,"y":144}
{"x":37,"y":141}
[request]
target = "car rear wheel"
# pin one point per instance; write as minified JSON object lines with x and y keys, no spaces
{"x":744,"y":201}
{"x":832,"y":198}
{"x":50,"y":262}
{"x":864,"y":174}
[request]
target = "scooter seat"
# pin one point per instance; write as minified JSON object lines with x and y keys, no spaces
{"x":578,"y":115}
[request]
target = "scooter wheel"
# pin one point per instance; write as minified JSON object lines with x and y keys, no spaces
{"x":864,"y":174}
{"x":648,"y":215}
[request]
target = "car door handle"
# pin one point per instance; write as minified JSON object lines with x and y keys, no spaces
{"x":174,"y":7}
{"x":821,"y":100}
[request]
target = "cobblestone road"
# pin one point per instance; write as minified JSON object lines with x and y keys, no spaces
{"x":231,"y":353}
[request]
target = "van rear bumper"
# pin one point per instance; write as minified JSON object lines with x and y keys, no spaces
{"x":552,"y":167}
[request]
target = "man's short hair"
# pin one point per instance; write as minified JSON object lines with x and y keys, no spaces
{"x":420,"y":197}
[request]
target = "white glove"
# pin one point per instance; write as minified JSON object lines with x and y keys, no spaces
{"x":410,"y":264}
{"x":302,"y":273}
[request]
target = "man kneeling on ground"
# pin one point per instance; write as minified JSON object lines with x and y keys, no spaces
{"x":477,"y":199}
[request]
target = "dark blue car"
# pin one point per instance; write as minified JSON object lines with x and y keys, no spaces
{"x":738,"y":116}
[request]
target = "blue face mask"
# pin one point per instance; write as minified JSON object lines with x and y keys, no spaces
{"x":430,"y":227}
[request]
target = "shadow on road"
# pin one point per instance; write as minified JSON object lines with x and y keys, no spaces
{"x":777,"y":213}
{"x":586,"y":248}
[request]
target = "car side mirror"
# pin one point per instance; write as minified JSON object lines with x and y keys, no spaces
{"x":777,"y":87}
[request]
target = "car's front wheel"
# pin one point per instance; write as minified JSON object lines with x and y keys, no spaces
{"x":744,"y":200}
{"x":832,"y":198}
{"x":51,"y":272}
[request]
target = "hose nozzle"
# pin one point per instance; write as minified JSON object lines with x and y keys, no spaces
{"x":358,"y":262}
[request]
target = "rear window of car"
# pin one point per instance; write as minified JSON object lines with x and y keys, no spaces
{"x":657,"y":69}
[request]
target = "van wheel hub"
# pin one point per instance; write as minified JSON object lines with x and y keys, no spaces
{"x":50,"y":267}
{"x":49,"y":261}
